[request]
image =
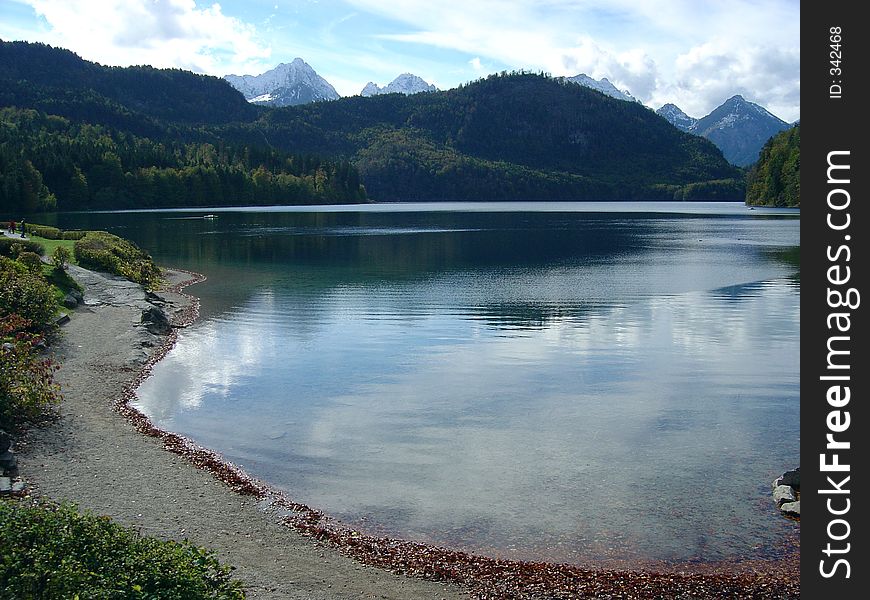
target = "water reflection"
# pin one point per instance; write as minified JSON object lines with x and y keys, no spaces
{"x":555,"y":386}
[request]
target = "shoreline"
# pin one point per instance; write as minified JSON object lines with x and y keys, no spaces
{"x":481,"y":576}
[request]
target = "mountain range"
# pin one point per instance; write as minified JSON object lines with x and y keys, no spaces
{"x":738,"y":127}
{"x":602,"y":85}
{"x":512,"y":136}
{"x":406,"y":83}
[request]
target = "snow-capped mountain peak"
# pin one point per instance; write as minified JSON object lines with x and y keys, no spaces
{"x":602,"y":85}
{"x":406,"y":83}
{"x":287,"y":84}
{"x":739,"y":128}
{"x":676,"y":117}
{"x":371,"y":89}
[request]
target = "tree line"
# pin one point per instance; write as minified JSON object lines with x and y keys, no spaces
{"x":775,"y":180}
{"x":48,"y":162}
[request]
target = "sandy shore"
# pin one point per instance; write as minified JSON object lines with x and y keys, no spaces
{"x":93,"y":456}
{"x":98,"y":458}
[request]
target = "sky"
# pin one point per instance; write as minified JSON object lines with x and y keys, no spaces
{"x":695,"y":54}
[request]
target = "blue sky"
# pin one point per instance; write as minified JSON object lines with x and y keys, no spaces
{"x":693,"y":53}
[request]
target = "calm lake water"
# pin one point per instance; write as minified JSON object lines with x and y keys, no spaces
{"x":561,"y":382}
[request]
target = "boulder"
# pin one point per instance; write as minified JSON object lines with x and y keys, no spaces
{"x":80,"y":297}
{"x":791,"y":478}
{"x":62,"y":319}
{"x":8,"y":463}
{"x":783,"y":494}
{"x":156,"y":321}
{"x":70,"y":301}
{"x":791,"y":509}
{"x":6,"y":441}
{"x":155,"y":298}
{"x":5,"y":485}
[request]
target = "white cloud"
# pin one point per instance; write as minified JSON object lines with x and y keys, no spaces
{"x":695,"y":54}
{"x":710,"y":72}
{"x":162,"y":33}
{"x":699,"y":53}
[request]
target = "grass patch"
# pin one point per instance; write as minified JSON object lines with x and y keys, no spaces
{"x":49,"y":246}
{"x":53,"y":551}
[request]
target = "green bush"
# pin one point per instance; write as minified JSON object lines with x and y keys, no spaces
{"x":31,"y":262}
{"x":7,"y":244}
{"x":27,"y":295}
{"x":27,"y":387}
{"x":75,"y":234}
{"x":49,"y":233}
{"x":106,"y":252}
{"x":51,"y":551}
{"x":60,"y":257}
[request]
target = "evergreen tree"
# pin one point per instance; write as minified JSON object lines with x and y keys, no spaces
{"x":775,"y":179}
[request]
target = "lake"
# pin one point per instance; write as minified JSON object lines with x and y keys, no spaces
{"x":566,"y":382}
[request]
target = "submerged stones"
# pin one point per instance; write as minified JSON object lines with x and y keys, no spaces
{"x":787,"y":493}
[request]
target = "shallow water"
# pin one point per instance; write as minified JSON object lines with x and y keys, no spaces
{"x":555,"y":385}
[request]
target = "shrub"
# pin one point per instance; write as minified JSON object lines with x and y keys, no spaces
{"x":46,"y":231}
{"x":7,"y":264}
{"x":27,"y":295}
{"x":50,"y":551}
{"x":31,"y":262}
{"x":7,"y":245}
{"x":27,"y":388}
{"x":103,"y":251}
{"x":75,"y":234}
{"x":60,"y":258}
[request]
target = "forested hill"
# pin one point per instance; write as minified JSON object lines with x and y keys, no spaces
{"x":75,"y":135}
{"x":775,"y":180}
{"x":516,"y":136}
{"x":511,"y":136}
{"x":58,"y":81}
{"x":49,"y":162}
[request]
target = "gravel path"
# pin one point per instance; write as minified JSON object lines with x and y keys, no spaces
{"x":92,"y":456}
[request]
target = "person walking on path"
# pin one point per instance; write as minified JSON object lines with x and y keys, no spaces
{"x":23,"y":230}
{"x":11,"y":226}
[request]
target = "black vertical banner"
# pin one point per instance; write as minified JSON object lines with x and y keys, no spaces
{"x":835,"y":55}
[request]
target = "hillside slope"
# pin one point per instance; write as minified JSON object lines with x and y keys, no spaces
{"x":517,"y":136}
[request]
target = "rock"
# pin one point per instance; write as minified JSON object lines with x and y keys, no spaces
{"x":154,"y":298}
{"x":18,"y":487}
{"x":6,"y":441}
{"x":783,"y":494}
{"x":70,"y":301}
{"x":80,"y":298}
{"x":5,"y":485}
{"x":8,"y":346}
{"x":792,"y":509}
{"x":62,"y":319}
{"x":156,"y":321}
{"x":8,"y":462}
{"x":790,"y":478}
